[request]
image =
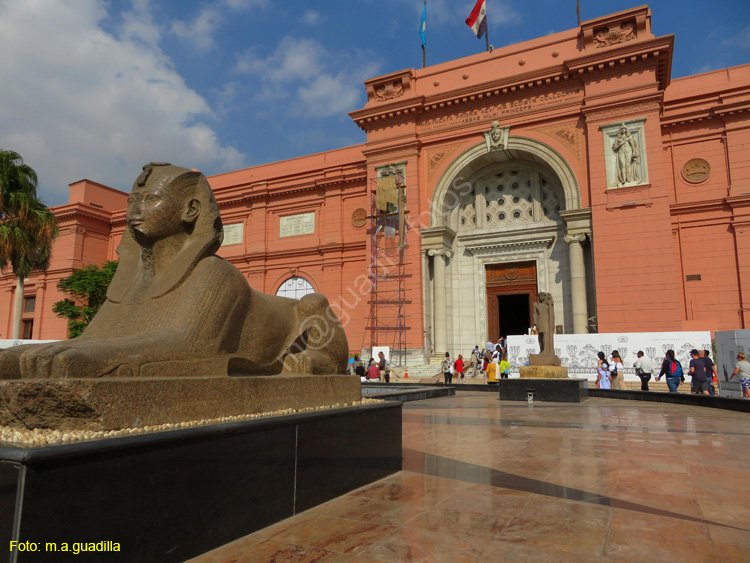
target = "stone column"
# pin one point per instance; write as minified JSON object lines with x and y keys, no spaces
{"x":578,"y":282}
{"x":440,"y":322}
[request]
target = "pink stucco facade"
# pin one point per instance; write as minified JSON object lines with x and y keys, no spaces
{"x":666,"y":251}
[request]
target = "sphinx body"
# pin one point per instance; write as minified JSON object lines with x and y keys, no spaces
{"x":174,"y":308}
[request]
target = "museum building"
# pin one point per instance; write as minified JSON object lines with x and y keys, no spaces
{"x":571,"y":164}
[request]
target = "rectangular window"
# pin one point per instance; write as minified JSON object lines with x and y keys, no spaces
{"x":27,"y":328}
{"x":29,"y":304}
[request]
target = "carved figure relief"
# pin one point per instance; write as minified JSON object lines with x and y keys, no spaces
{"x":497,"y":137}
{"x":174,"y":308}
{"x":625,"y":154}
{"x":607,"y":36}
{"x":388,"y":91}
{"x":626,"y":149}
{"x":696,"y":170}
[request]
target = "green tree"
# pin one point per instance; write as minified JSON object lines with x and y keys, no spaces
{"x":27,"y":227}
{"x":86,"y":290}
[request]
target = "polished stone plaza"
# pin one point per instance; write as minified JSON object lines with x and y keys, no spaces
{"x":485,"y":480}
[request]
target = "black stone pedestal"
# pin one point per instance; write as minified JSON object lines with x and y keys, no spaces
{"x":170,"y":496}
{"x":552,"y":390}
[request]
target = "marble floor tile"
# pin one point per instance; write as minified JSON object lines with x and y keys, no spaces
{"x":651,"y":546}
{"x":418,"y":545}
{"x":488,"y":480}
{"x":333,"y":534}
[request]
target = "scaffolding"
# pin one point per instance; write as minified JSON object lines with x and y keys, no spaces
{"x":387,"y":317}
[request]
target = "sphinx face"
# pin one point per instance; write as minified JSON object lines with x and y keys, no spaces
{"x":154,"y":212}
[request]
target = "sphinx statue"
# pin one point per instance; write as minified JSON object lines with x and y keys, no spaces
{"x":174,"y":308}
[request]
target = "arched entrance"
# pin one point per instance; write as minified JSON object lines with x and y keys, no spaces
{"x":500,"y":224}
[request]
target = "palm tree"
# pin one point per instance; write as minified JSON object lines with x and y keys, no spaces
{"x":27,"y":227}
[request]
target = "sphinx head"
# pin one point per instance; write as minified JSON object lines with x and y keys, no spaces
{"x":167,"y":200}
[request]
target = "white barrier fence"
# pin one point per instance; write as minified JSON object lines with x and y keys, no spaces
{"x":578,"y":352}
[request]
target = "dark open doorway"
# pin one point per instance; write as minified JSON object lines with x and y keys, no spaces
{"x":513,"y":312}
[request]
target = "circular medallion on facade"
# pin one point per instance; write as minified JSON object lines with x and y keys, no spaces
{"x":511,"y":272}
{"x":696,"y":170}
{"x":359,"y":217}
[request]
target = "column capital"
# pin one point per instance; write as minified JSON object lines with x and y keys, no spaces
{"x":579,"y":238}
{"x":440,"y":252}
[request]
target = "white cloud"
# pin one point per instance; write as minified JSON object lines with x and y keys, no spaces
{"x":246,"y":4}
{"x":319,"y":83}
{"x":450,"y":12}
{"x":78,"y":102}
{"x":312,"y":18}
{"x":199,"y":32}
{"x":741,"y":39}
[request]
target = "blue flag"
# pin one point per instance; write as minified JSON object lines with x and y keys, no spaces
{"x":423,"y":25}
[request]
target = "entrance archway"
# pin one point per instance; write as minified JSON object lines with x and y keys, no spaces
{"x":491,"y":212}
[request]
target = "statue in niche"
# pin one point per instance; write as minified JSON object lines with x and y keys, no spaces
{"x":626,"y":149}
{"x":174,"y":308}
{"x":544,"y":319}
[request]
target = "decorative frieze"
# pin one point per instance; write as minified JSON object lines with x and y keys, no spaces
{"x":615,"y":34}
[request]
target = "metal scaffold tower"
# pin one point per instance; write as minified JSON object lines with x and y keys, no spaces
{"x":387,"y":318}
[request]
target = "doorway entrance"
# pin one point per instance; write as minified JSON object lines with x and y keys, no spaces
{"x":511,"y":294}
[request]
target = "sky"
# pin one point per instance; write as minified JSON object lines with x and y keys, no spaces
{"x":95,"y":89}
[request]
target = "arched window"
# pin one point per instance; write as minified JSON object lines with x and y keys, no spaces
{"x":295,"y":287}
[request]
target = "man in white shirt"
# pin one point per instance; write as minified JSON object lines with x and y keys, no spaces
{"x":643,"y":368}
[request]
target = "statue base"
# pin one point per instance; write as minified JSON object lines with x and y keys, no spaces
{"x":568,"y":390}
{"x":171,"y":496}
{"x":116,"y":403}
{"x":544,"y":360}
{"x":543,"y":372}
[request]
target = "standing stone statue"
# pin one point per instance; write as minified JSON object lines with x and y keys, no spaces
{"x":545,"y":364}
{"x":174,"y":308}
{"x":544,"y":319}
{"x":626,"y":149}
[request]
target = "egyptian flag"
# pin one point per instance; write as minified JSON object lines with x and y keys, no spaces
{"x":477,"y":20}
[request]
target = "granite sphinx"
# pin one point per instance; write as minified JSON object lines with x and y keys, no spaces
{"x":174,"y":308}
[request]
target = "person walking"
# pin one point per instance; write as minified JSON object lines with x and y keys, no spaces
{"x":385,"y":367}
{"x":504,"y":367}
{"x":672,"y":369}
{"x":617,"y":371}
{"x":602,"y":373}
{"x":699,"y":383}
{"x":743,"y":369}
{"x":474,"y":361}
{"x":711,"y":373}
{"x":459,"y":365}
{"x":359,"y":367}
{"x":643,"y":368}
{"x":446,"y":365}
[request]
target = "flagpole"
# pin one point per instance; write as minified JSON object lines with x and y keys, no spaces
{"x":487,"y":32}
{"x":423,"y":34}
{"x":578,"y":11}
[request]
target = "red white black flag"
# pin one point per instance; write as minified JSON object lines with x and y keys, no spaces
{"x":477,"y":20}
